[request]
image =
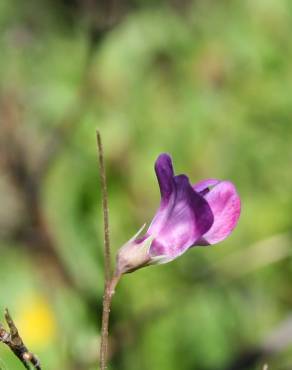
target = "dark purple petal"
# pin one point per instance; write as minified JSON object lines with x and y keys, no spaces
{"x":180,"y":221}
{"x":225,"y":205}
{"x":165,"y":175}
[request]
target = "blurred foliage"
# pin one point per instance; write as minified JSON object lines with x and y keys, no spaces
{"x":209,"y":82}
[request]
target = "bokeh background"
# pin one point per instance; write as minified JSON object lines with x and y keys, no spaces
{"x":209,"y":82}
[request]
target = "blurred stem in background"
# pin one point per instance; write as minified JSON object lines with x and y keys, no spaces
{"x":14,"y":341}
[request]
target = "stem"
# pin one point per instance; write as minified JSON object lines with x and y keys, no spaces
{"x":107,"y":254}
{"x":110,"y":283}
{"x":107,"y":299}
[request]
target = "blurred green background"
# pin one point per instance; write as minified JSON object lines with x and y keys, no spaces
{"x":209,"y":82}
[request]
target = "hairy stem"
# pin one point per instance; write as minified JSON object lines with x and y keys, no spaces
{"x":107,"y":299}
{"x":107,"y":254}
{"x":110,"y":283}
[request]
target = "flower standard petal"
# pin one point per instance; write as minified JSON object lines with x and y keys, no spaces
{"x":225,"y":205}
{"x":165,"y":176}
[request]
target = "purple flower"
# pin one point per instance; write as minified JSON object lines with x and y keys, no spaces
{"x":189,"y":215}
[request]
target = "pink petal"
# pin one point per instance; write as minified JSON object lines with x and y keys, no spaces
{"x":225,"y":205}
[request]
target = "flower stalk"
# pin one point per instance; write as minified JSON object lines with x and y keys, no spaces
{"x":102,"y":174}
{"x":107,"y":299}
{"x":110,"y":282}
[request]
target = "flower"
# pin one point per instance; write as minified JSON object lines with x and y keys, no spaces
{"x":189,"y":215}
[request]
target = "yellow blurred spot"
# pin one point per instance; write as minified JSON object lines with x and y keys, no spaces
{"x":36,"y":322}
